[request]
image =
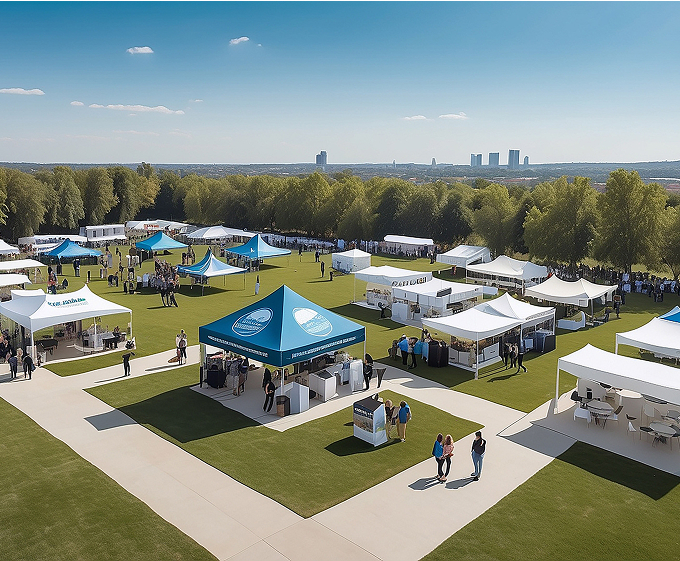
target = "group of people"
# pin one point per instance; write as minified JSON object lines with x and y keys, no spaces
{"x":166,"y":280}
{"x":15,"y":357}
{"x":408,"y":347}
{"x":513,"y":355}
{"x":398,"y":417}
{"x":443,"y":452}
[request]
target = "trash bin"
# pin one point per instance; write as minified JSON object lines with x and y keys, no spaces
{"x":282,"y":405}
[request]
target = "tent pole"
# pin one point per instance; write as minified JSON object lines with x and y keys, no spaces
{"x":34,"y":354}
{"x":557,"y":388}
{"x":616,"y":350}
{"x":355,"y":289}
{"x":477,"y":358}
{"x":592,"y":311}
{"x":130,"y":325}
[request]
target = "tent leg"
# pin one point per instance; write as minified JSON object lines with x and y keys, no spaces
{"x":355,"y":289}
{"x":130,"y":326}
{"x":477,"y":359}
{"x":34,"y":354}
{"x":616,"y":350}
{"x":364,"y":348}
{"x":557,"y":389}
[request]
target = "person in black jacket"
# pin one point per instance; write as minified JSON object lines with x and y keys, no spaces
{"x":126,"y":363}
{"x":478,"y":451}
{"x":368,"y":370}
{"x":269,"y":390}
{"x":28,"y":365}
{"x":521,"y":349}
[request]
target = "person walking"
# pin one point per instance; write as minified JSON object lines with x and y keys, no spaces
{"x":521,"y":349}
{"x":368,"y":370}
{"x":171,"y":294}
{"x":506,"y":354}
{"x":257,"y":285}
{"x":403,"y":347}
{"x":403,"y":417}
{"x":478,"y":451}
{"x":163,"y":289}
{"x":323,"y":268}
{"x":126,"y":363}
{"x":13,"y":365}
{"x":269,"y":390}
{"x":182,"y":347}
{"x":438,"y":453}
{"x":412,"y":351}
{"x":448,"y":453}
{"x":29,"y":367}
{"x":513,"y":355}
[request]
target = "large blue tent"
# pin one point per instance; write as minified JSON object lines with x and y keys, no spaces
{"x":281,"y":329}
{"x":257,"y":248}
{"x":159,"y":242}
{"x":68,"y":249}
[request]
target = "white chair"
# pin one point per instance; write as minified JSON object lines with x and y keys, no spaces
{"x":580,"y":413}
{"x":649,"y":410}
{"x":631,"y":429}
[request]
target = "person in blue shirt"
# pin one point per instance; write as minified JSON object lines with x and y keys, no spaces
{"x":403,"y":418}
{"x":438,"y":453}
{"x":478,"y":451}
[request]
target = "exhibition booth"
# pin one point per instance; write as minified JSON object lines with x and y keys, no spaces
{"x":477,"y":334}
{"x":218,"y":233}
{"x":465,"y":255}
{"x":159,"y":242}
{"x":434,"y":298}
{"x":40,"y":243}
{"x":207,"y":268}
{"x":257,"y":249}
{"x":506,"y":272}
{"x":22,"y":265}
{"x":104,"y":233}
{"x":660,"y":336}
{"x":407,"y":245}
{"x":71,"y":250}
{"x":351,"y":261}
{"x":381,"y":280}
{"x":6,"y":249}
{"x":34,"y":310}
{"x":285,"y":330}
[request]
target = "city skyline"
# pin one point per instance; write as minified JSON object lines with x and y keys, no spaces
{"x":260,"y":82}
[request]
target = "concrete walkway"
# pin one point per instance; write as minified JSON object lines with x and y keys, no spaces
{"x":235,"y":522}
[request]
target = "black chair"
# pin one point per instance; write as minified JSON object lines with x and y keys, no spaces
{"x":630,"y":418}
{"x":576,"y":397}
{"x":647,"y":430}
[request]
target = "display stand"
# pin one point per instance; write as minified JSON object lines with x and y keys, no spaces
{"x":356,"y":375}
{"x":369,"y":421}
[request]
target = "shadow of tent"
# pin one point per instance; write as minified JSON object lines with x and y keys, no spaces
{"x":540,"y":439}
{"x":353,"y":445}
{"x":186,"y":415}
{"x":110,"y":420}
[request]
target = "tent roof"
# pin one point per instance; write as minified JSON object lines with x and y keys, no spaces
{"x":67,"y":248}
{"x":257,"y":248}
{"x":432,"y":287}
{"x":391,"y":276}
{"x":510,"y":307}
{"x":10,"y":279}
{"x":351,"y":254}
{"x":658,"y":336}
{"x":578,"y":293}
{"x":464,"y":254}
{"x":648,"y":378}
{"x":6,"y":249}
{"x":159,"y":242}
{"x":408,"y":240}
{"x":505,"y":266}
{"x":673,"y":315}
{"x":472,"y":324}
{"x":210,"y":233}
{"x":17,"y":264}
{"x":210,"y":266}
{"x":36,"y":310}
{"x":281,"y":329}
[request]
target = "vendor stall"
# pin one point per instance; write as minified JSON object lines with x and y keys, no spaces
{"x":257,"y":249}
{"x":465,"y":255}
{"x":369,"y":421}
{"x":351,"y":261}
{"x":6,"y":249}
{"x":159,"y":242}
{"x":435,"y":298}
{"x":382,"y":279}
{"x":506,"y":272}
{"x":407,"y":245}
{"x":660,"y":336}
{"x":207,"y":268}
{"x":71,"y":250}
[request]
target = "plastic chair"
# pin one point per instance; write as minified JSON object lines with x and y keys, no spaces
{"x":618,"y":410}
{"x":649,"y":411}
{"x":646,"y":430}
{"x":631,"y":428}
{"x":582,"y":414}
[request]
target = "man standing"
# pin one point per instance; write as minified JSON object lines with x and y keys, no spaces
{"x":323,"y":268}
{"x":404,"y":416}
{"x":182,"y":347}
{"x":520,"y":355}
{"x":269,"y":390}
{"x":13,"y":365}
{"x":126,"y":363}
{"x":478,"y":451}
{"x":28,"y":366}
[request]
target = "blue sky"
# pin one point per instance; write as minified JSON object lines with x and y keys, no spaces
{"x":368,"y":82}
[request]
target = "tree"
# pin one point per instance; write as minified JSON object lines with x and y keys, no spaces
{"x":632,"y":221}
{"x":563,"y":230}
{"x":417,"y":217}
{"x":3,"y":195}
{"x":25,"y":203}
{"x":670,"y":241}
{"x":301,"y":202}
{"x":356,"y":222}
{"x":65,"y":202}
{"x":392,"y":198}
{"x":454,"y":220}
{"x":133,"y":191}
{"x":493,"y":217}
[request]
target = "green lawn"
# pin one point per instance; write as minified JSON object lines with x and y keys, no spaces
{"x":291,"y":467}
{"x":54,"y":505}
{"x":587,"y":504}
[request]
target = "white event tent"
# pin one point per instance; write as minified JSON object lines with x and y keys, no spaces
{"x":464,"y":255}
{"x":578,"y":293}
{"x":407,"y":244}
{"x":35,"y":310}
{"x":6,"y":249}
{"x":434,"y":298}
{"x":659,"y":336}
{"x":20,"y":264}
{"x":218,"y":233}
{"x":381,"y":280}
{"x":647,"y":378}
{"x":505,"y":271}
{"x":350,"y":261}
{"x":11,"y":279}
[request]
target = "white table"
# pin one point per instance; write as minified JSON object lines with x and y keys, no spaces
{"x":599,"y":406}
{"x":629,"y":393}
{"x":662,"y":430}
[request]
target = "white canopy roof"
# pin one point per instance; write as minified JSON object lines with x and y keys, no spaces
{"x":463,"y":255}
{"x":10,"y":279}
{"x":36,"y":310}
{"x":51,"y":238}
{"x":351,"y":261}
{"x":645,"y":377}
{"x":392,"y":276}
{"x":510,"y":307}
{"x":6,"y":249}
{"x":210,"y":233}
{"x":408,"y":240}
{"x":352,"y":253}
{"x":472,"y":324}
{"x":505,"y":266}
{"x":659,"y":336}
{"x":426,"y":293}
{"x":578,"y":293}
{"x":18,"y":264}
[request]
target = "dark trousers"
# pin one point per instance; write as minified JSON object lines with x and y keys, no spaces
{"x":506,"y":359}
{"x":440,"y":466}
{"x":520,"y":359}
{"x":268,"y":399}
{"x":27,"y":371}
{"x":367,"y":380}
{"x":183,"y":354}
{"x":126,"y":369}
{"x":448,"y":466}
{"x":413,"y":359}
{"x":381,"y":373}
{"x":171,"y":299}
{"x":513,"y":361}
{"x":404,"y":357}
{"x":13,"y":370}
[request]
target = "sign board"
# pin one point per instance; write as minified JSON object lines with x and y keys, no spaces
{"x":369,"y":421}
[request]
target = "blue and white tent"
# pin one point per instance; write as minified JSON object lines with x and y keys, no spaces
{"x":672,"y":315}
{"x":210,"y":266}
{"x":159,"y":242}
{"x":68,"y":249}
{"x":257,"y":248}
{"x":281,"y":329}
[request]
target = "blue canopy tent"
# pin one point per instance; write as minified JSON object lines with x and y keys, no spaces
{"x":672,"y":315}
{"x":68,"y":249}
{"x":282,"y":329}
{"x":159,"y":242}
{"x":257,"y":248}
{"x":208,"y":267}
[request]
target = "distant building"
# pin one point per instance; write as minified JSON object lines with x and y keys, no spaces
{"x":434,"y":163}
{"x":321,"y":158}
{"x":494,"y":159}
{"x":526,"y":161}
{"x":513,"y":159}
{"x":475,"y":160}
{"x":394,"y":164}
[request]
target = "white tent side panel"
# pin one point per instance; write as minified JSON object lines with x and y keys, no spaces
{"x":350,"y":261}
{"x":659,"y":336}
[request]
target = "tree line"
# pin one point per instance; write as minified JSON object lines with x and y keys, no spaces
{"x":562,"y":221}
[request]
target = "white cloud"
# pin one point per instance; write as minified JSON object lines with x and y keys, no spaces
{"x":138,"y":108}
{"x":77,"y":103}
{"x":460,"y":116}
{"x":179,"y":133}
{"x":239,"y":40}
{"x":416,"y":118}
{"x":138,"y":133}
{"x":139,"y":50}
{"x":196,"y":101}
{"x":259,"y":44}
{"x":21,"y":91}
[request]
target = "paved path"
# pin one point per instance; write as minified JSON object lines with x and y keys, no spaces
{"x":235,"y":522}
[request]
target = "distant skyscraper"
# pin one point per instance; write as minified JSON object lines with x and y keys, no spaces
{"x":494,"y":159}
{"x":434,"y":163}
{"x":475,"y":160}
{"x":322,"y":158}
{"x":513,"y":159}
{"x":394,"y":164}
{"x":526,"y":161}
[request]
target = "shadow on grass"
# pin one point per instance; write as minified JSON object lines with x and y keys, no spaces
{"x":186,"y":415}
{"x":618,"y":469}
{"x":366,"y":315}
{"x":352,"y":445}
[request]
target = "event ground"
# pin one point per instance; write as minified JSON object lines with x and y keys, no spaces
{"x":585,"y":492}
